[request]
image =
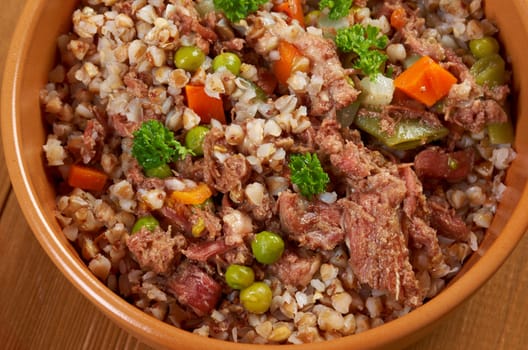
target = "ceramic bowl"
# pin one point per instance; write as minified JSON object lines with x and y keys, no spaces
{"x":32,"y":55}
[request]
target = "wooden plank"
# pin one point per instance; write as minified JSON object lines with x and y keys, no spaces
{"x":38,"y":300}
{"x":495,"y":318}
{"x":9,"y":13}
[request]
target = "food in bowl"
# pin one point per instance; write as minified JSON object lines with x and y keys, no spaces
{"x":279,"y":172}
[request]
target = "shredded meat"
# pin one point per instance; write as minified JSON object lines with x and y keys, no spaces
{"x":349,"y":159}
{"x":314,"y":224}
{"x":122,"y":126}
{"x":446,"y":221}
{"x":224,"y":176}
{"x":415,"y":43}
{"x":234,"y":44}
{"x":261,"y":212}
{"x":329,"y":138}
{"x":135,"y":176}
{"x":239,"y":254}
{"x":416,"y":225}
{"x":154,"y":250}
{"x":458,"y":67}
{"x":382,"y":8}
{"x":398,"y":112}
{"x":378,"y":251}
{"x":186,"y":17}
{"x":194,"y":288}
{"x":470,"y":105}
{"x":294,"y":269}
{"x":135,"y":86}
{"x":435,"y":163}
{"x":204,"y":250}
{"x":177,"y":216}
{"x":337,"y":91}
{"x":477,"y":115}
{"x":191,"y":169}
{"x":211,"y":222}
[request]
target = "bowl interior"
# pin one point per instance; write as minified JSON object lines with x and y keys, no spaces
{"x":31,"y":57}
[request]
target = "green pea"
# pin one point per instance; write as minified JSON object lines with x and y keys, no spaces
{"x":228,"y":60}
{"x":239,"y":276}
{"x":189,"y":58}
{"x":149,"y":222}
{"x":256,"y":298}
{"x":483,"y":47}
{"x":194,"y":139}
{"x":267,"y":247}
{"x":161,"y":171}
{"x":489,"y":70}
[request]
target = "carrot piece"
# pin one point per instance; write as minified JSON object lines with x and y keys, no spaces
{"x":86,"y":178}
{"x":205,"y":106}
{"x":398,"y":18}
{"x":425,"y":81}
{"x":289,"y":56}
{"x":196,"y":195}
{"x":293,"y":8}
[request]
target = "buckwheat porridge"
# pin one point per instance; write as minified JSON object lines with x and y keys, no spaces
{"x":277,"y":171}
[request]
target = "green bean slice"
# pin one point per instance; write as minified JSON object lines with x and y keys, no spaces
{"x":500,"y":133}
{"x":489,"y":70}
{"x":346,"y":116}
{"x":408,"y":133}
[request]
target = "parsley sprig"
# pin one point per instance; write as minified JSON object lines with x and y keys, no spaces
{"x":338,"y":8}
{"x":236,"y":10}
{"x":308,"y":174}
{"x":364,"y":42}
{"x":154,"y":145}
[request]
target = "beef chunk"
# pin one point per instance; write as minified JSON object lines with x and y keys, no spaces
{"x":194,"y":288}
{"x":314,"y":224}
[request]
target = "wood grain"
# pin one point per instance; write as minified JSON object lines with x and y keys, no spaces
{"x":39,"y":309}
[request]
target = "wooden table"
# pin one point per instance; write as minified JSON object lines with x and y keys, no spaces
{"x":39,"y":309}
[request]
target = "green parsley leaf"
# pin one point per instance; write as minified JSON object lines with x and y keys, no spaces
{"x":338,"y":8}
{"x":154,"y":145}
{"x":365,"y":43}
{"x":308,"y":174}
{"x":236,"y":10}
